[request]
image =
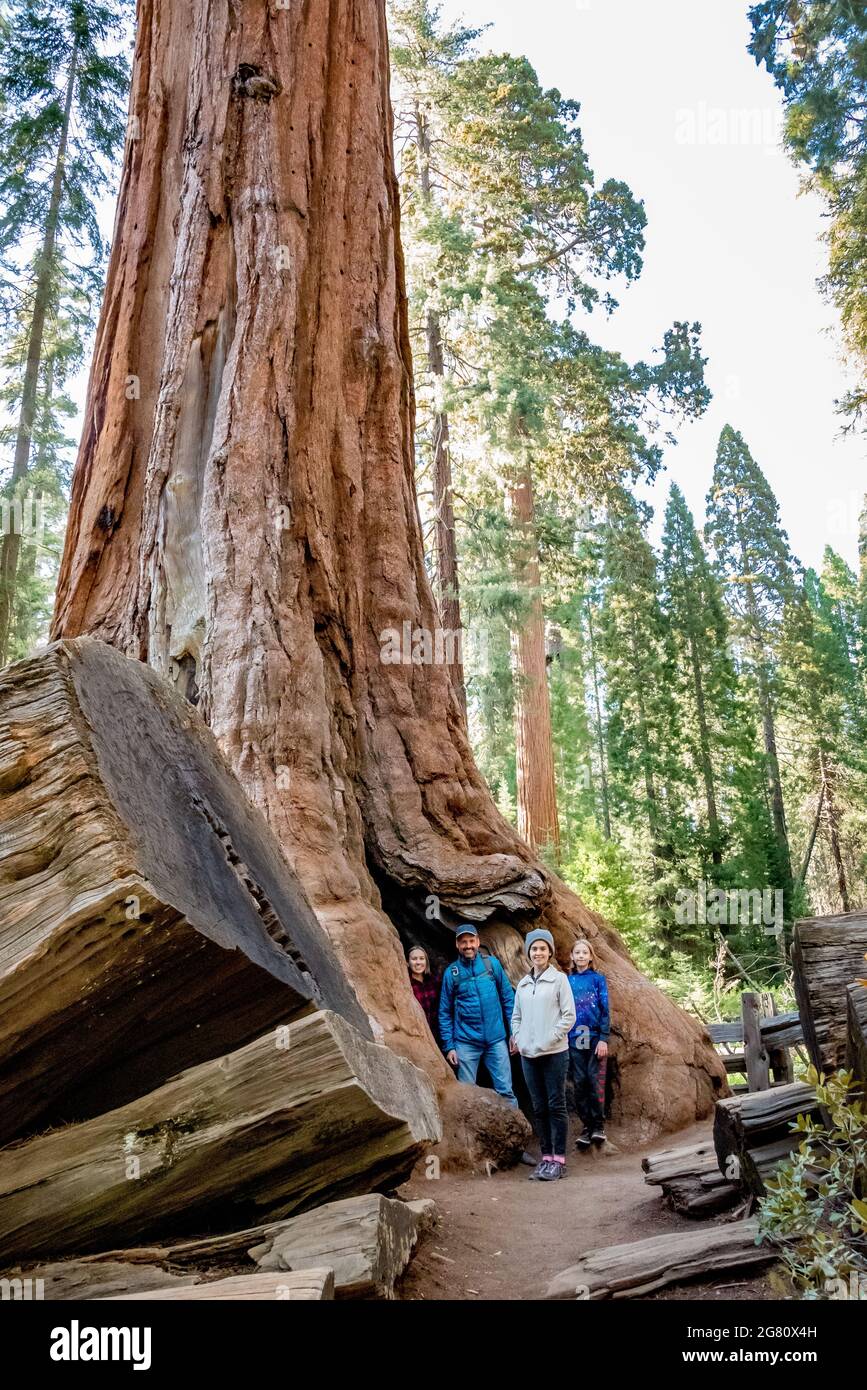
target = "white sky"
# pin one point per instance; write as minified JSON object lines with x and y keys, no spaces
{"x":731,"y":242}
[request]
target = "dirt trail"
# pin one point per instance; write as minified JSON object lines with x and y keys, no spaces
{"x":503,"y":1237}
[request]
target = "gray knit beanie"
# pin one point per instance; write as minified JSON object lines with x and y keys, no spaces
{"x":539,"y":935}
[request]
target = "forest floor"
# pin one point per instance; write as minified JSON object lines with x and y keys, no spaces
{"x":504,"y":1237}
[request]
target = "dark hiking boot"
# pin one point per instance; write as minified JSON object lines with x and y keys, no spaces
{"x":584,"y":1140}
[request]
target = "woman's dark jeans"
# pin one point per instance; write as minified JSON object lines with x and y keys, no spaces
{"x":546,"y":1082}
{"x":585,"y":1065}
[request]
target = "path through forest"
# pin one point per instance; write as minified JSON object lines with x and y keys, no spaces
{"x":503,"y":1237}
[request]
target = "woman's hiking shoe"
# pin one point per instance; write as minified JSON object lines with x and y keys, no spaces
{"x":552,"y":1171}
{"x":598,"y":1136}
{"x":536,"y":1174}
{"x":584,"y":1140}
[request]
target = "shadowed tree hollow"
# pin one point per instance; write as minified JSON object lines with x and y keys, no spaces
{"x":244,"y":516}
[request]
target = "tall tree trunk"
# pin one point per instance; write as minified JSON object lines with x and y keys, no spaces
{"x":10,"y":546}
{"x":534,"y":742}
{"x":832,"y":816}
{"x":704,"y":754}
{"x":445,"y":539}
{"x":597,"y":721}
{"x":245,"y":515}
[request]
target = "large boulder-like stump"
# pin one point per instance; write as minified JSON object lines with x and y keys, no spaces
{"x":148,"y":918}
{"x":311,"y":1113}
{"x":827,"y":955}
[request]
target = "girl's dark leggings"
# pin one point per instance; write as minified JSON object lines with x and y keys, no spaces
{"x":585,"y":1068}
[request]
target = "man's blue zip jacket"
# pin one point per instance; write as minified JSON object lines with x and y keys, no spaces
{"x":590,"y":992}
{"x":475,"y":1001}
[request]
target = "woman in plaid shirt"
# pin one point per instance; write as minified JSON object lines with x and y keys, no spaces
{"x":425,"y":986}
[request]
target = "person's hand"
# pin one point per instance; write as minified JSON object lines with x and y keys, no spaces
{"x":513,"y":1046}
{"x":452,"y":1058}
{"x":602,"y":1049}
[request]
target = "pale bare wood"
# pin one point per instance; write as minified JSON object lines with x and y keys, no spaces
{"x":827,"y":955}
{"x":309,"y":1285}
{"x":639,"y":1268}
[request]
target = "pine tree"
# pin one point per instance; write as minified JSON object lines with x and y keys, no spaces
{"x":757,"y":570}
{"x":643,"y":754}
{"x":61,"y":125}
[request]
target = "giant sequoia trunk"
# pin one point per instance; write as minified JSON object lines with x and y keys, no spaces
{"x":243,"y":513}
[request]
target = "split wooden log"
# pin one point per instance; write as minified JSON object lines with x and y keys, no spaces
{"x":367,"y":1241}
{"x":148,"y":918}
{"x":310,"y":1285}
{"x":753,"y":1134}
{"x":691,"y":1181}
{"x":827,"y":955}
{"x":857,"y":1033}
{"x":271,"y":1130}
{"x":637,"y":1269}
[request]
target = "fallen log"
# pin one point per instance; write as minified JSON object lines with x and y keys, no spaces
{"x":367,"y":1241}
{"x":148,"y":918}
{"x":639,"y":1268}
{"x":310,"y":1285}
{"x":827,"y":955}
{"x":691,"y":1181}
{"x":753,"y":1135}
{"x":856,"y":1057}
{"x":280,"y":1126}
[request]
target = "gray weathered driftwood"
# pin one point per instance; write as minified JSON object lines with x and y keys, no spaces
{"x":827,"y":955}
{"x":857,"y":1033}
{"x":284,"y":1124}
{"x":309,"y":1285}
{"x":691,"y":1180}
{"x":755,"y":1131}
{"x":637,"y":1269}
{"x":148,"y":918}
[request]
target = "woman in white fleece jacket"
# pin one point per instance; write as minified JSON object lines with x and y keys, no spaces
{"x":543,"y":1014}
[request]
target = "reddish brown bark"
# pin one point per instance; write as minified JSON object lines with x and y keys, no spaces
{"x":249,"y":523}
{"x":534,"y":743}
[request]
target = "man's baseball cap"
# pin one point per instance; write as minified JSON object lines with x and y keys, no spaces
{"x":465,"y":930}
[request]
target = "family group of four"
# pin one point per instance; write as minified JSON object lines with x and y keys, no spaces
{"x":557,"y":1023}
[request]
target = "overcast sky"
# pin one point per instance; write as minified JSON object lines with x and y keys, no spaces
{"x":673,"y":104}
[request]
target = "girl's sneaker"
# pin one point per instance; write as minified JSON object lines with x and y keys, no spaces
{"x":584,"y":1140}
{"x":598,"y":1136}
{"x":552,"y":1172}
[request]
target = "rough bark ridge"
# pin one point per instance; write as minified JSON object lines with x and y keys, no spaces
{"x":244,"y":515}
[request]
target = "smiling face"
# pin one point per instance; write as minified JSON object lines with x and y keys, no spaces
{"x":468,"y":946}
{"x":540,"y":954}
{"x":581,"y":955}
{"x":417,"y":961}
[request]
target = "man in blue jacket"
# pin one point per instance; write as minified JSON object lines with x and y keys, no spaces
{"x":475,"y":1014}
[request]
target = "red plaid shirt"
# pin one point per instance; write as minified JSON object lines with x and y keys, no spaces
{"x":427,"y":992}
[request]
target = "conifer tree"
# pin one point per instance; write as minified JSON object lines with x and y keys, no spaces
{"x":63,"y":83}
{"x":757,"y":569}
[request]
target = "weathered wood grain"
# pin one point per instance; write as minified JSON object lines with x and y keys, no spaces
{"x":856,"y":1057}
{"x":637,"y":1269}
{"x":148,"y":919}
{"x":309,"y":1285}
{"x":268,"y":1131}
{"x":755,"y":1130}
{"x":827,"y":955}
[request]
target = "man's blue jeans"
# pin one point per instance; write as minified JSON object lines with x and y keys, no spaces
{"x":496,"y":1058}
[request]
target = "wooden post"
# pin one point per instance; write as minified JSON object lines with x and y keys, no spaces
{"x":754,"y":1048}
{"x":782,"y":1066}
